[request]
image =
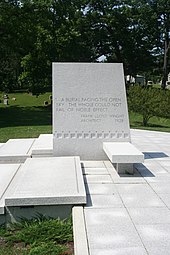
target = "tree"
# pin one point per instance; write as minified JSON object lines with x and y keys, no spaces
{"x":45,"y":31}
{"x":120,"y":35}
{"x":163,"y":15}
{"x":158,"y":28}
{"x":9,"y":64}
{"x":59,"y":37}
{"x":149,"y":102}
{"x":35,"y":33}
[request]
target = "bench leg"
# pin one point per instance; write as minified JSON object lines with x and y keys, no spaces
{"x":124,"y":168}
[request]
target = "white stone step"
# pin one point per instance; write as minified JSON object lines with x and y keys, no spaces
{"x":7,"y":173}
{"x":15,"y":150}
{"x":43,"y":146}
{"x":48,"y":181}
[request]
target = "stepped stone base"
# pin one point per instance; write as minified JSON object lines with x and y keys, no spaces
{"x":43,"y":146}
{"x":15,"y":150}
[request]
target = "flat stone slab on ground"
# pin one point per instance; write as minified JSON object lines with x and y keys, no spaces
{"x":119,"y":251}
{"x":48,"y":181}
{"x":93,"y":164}
{"x":113,"y":236}
{"x":155,"y":238}
{"x":16,"y":150}
{"x":150,"y":215}
{"x":7,"y":172}
{"x":97,"y":178}
{"x":100,"y":189}
{"x":111,"y":216}
{"x":42,"y":146}
{"x":104,"y":201}
{"x":141,"y":225}
{"x":161,"y":187}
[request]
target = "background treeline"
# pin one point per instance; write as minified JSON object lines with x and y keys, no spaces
{"x":35,"y":33}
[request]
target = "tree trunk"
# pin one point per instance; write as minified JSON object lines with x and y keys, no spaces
{"x":145,"y":121}
{"x":165,"y":65}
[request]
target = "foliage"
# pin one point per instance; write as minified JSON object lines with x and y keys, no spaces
{"x":149,"y":102}
{"x":120,"y":34}
{"x":35,"y":33}
{"x":158,"y":30}
{"x":47,"y":248}
{"x":38,"y":236}
{"x":155,"y":124}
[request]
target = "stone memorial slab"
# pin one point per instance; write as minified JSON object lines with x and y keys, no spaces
{"x":48,"y":181}
{"x":15,"y":150}
{"x":7,"y":172}
{"x":89,"y":108}
{"x":43,"y":146}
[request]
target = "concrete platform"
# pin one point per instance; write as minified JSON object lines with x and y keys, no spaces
{"x":43,"y":146}
{"x":131,"y":214}
{"x":48,"y":181}
{"x":7,"y":173}
{"x":125,"y":214}
{"x":15,"y":150}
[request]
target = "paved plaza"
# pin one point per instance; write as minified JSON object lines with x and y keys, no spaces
{"x":130,"y":214}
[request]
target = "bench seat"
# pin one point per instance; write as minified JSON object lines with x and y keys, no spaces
{"x":123,"y":154}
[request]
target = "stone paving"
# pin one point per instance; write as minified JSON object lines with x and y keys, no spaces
{"x":129,"y":215}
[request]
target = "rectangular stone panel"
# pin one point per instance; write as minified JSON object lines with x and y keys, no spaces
{"x":7,"y":173}
{"x":48,"y":181}
{"x":89,"y":107}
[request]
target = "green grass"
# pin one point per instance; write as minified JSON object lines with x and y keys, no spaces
{"x":28,"y":117}
{"x":38,"y":236}
{"x":157,"y":124}
{"x":25,"y":117}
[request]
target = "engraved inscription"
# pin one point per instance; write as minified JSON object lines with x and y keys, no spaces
{"x":92,"y":109}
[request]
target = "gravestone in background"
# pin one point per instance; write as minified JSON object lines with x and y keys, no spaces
{"x":89,"y":108}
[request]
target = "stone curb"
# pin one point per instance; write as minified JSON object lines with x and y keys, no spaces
{"x":79,"y":232}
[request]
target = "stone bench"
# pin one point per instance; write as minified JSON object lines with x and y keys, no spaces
{"x":123,"y":155}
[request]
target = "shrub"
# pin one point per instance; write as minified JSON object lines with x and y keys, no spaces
{"x":149,"y":102}
{"x":37,"y":236}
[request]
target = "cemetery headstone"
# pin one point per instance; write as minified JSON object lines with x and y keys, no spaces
{"x":6,"y":101}
{"x":89,"y":108}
